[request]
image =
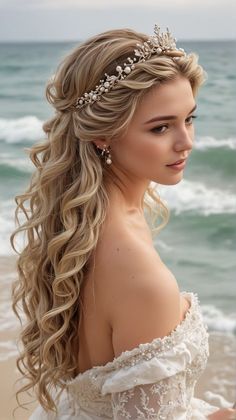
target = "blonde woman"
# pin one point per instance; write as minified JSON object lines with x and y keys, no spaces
{"x":108,"y":334}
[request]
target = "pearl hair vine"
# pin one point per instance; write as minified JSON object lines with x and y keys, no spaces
{"x":160,"y":43}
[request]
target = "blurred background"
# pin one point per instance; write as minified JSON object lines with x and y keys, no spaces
{"x":198,"y":244}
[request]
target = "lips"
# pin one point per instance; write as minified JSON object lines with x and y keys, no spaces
{"x":177,"y":162}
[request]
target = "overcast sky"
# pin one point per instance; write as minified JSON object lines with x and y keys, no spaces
{"x":69,"y":20}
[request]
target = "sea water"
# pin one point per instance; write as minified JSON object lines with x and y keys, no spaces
{"x":199,"y":242}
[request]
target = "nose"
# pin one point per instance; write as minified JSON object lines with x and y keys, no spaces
{"x":184,"y":139}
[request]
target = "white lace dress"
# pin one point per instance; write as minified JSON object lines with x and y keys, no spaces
{"x":154,"y":380}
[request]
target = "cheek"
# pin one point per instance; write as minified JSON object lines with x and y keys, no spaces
{"x":149,"y":148}
{"x":144,"y":151}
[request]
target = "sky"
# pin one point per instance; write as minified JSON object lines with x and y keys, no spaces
{"x":71,"y":20}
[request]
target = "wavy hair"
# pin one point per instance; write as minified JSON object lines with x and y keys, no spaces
{"x":68,"y":199}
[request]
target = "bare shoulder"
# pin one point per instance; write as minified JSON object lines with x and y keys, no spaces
{"x":141,"y":295}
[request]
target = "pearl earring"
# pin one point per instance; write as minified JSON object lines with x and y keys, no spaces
{"x":107,"y":154}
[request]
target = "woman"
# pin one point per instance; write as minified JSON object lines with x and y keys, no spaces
{"x":107,"y":324}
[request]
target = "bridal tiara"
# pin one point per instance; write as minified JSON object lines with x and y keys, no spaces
{"x":160,"y":43}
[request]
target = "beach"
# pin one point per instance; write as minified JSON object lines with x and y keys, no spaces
{"x":216,"y":385}
{"x":8,"y":335}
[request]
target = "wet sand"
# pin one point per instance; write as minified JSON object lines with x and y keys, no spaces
{"x":217,"y":381}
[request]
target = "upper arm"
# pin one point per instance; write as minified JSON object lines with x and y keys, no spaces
{"x":143,"y":296}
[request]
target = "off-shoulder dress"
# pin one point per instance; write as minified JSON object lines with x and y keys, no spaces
{"x":154,"y":380}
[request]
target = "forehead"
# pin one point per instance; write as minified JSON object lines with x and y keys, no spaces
{"x":172,"y":97}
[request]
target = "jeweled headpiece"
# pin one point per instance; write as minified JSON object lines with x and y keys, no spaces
{"x":160,"y":43}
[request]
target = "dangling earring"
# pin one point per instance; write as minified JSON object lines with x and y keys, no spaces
{"x":107,"y":154}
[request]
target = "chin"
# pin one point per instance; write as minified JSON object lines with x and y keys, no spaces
{"x":171,"y":181}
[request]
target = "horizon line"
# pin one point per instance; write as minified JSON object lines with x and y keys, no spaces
{"x":9,"y":41}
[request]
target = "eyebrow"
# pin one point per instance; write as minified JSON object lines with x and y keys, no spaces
{"x":167,"y":117}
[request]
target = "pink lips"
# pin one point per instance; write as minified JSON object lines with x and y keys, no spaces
{"x":178,"y":165}
{"x":177,"y":162}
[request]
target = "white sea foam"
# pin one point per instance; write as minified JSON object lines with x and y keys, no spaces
{"x":22,"y":164}
{"x":217,"y":320}
{"x":8,"y":349}
{"x":208,"y":142}
{"x":163,"y":246}
{"x":197,"y":197}
{"x":217,"y":399}
{"x":187,"y":196}
{"x":28,"y":128}
{"x":7,"y":226}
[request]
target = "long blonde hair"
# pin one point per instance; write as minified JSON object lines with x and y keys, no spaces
{"x":68,"y":200}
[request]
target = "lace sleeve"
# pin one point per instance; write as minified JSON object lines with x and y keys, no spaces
{"x":163,"y":400}
{"x":156,"y":380}
{"x":160,"y":400}
{"x":151,"y":385}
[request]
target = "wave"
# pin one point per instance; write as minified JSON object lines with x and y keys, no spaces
{"x":7,"y":225}
{"x":29,"y":128}
{"x":217,"y":321}
{"x":11,"y":167}
{"x":25,"y":129}
{"x":220,"y":161}
{"x":188,"y":196}
{"x":208,"y":142}
{"x":185,"y":197}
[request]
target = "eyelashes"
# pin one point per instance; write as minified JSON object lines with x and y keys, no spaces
{"x":165,"y":125}
{"x":192,"y":116}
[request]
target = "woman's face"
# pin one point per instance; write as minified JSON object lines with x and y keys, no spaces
{"x":150,"y":145}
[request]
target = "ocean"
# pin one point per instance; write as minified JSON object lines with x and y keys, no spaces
{"x":199,"y":242}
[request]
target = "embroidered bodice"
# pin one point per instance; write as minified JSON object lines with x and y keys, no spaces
{"x":154,"y":380}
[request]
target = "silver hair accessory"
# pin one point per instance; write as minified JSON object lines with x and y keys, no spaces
{"x":160,"y":43}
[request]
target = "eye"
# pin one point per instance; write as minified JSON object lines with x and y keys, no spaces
{"x":159,"y":128}
{"x":156,"y":129}
{"x":191,"y":116}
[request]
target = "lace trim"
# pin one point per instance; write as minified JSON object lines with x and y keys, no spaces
{"x":150,"y":402}
{"x":157,"y":344}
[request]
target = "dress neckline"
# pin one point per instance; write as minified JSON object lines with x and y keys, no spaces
{"x":193,"y":300}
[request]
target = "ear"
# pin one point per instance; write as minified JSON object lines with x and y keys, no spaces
{"x":101,"y":143}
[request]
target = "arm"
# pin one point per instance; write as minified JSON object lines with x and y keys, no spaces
{"x":223,"y":414}
{"x":143,"y":296}
{"x":144,"y":305}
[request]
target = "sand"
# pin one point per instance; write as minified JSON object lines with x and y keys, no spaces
{"x":8,"y":371}
{"x":217,"y":379}
{"x":7,"y":400}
